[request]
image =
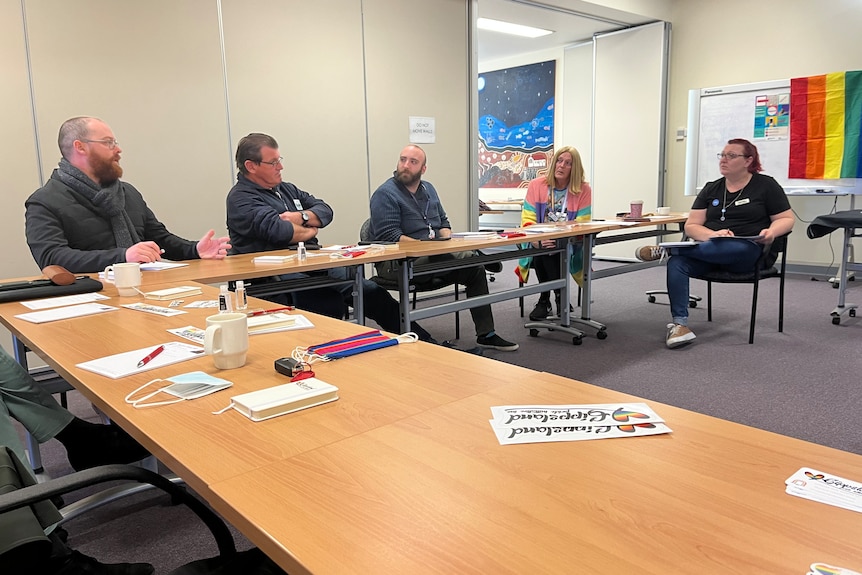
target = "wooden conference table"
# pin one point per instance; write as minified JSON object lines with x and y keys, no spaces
{"x":404,"y":475}
{"x":586,"y":233}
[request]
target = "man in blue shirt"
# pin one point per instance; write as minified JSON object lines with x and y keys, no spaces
{"x":406,"y":209}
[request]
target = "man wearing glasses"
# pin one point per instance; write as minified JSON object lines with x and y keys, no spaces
{"x":85,"y":218}
{"x":265,"y":213}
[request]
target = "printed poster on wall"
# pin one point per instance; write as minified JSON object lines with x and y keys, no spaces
{"x":516,"y":124}
{"x":772,"y":117}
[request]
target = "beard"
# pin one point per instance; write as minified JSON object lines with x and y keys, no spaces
{"x":407,"y":178}
{"x":106,"y":170}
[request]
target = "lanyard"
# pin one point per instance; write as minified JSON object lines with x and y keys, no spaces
{"x":424,"y":213}
{"x":280,"y":197}
{"x":553,"y":213}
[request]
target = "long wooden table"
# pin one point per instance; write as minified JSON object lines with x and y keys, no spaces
{"x":435,"y":493}
{"x":404,"y":474}
{"x":493,"y":251}
{"x":193,"y":435}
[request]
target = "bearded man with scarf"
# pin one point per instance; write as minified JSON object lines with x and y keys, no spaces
{"x":85,"y":218}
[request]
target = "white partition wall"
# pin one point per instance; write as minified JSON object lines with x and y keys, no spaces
{"x":180,"y":82}
{"x":417,"y":64}
{"x":152,"y":71}
{"x":629,"y":122}
{"x":18,"y":144}
{"x":304,"y":85}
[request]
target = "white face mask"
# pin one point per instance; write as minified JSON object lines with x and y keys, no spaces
{"x":184,"y":386}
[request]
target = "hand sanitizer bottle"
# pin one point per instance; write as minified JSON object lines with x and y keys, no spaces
{"x":224,"y":300}
{"x":301,"y":254}
{"x":241,"y":297}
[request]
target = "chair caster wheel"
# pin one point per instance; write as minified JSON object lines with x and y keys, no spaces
{"x":852,"y":313}
{"x":692,"y":304}
{"x":602,"y":334}
{"x":534,"y":333}
{"x":577,"y":341}
{"x":651,"y":298}
{"x":836,"y":320}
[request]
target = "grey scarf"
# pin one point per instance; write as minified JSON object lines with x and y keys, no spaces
{"x":110,"y":202}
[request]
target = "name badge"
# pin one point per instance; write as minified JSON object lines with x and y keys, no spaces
{"x":298,"y":205}
{"x":742,"y":202}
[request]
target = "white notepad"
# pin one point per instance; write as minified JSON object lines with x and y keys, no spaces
{"x":126,"y":363}
{"x":65,"y":312}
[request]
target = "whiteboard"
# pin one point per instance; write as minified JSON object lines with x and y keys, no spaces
{"x":716,"y":115}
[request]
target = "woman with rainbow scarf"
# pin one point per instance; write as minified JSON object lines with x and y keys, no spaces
{"x":562,"y":195}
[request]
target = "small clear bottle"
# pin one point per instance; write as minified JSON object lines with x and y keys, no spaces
{"x":241,"y":297}
{"x":301,"y":254}
{"x":224,"y":300}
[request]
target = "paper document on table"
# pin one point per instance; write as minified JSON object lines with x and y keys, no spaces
{"x":539,"y":229}
{"x":825,"y":488}
{"x":273,"y":259}
{"x":475,"y":235}
{"x":154,"y":309}
{"x":683,"y":244}
{"x":149,"y":267}
{"x":65,"y":312}
{"x":515,"y":424}
{"x":826,"y":569}
{"x":63,"y":300}
{"x":126,"y":363}
{"x":161,"y":265}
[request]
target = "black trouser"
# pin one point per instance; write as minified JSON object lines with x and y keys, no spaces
{"x":472,"y":278}
{"x":547,"y":269}
{"x":332,"y":301}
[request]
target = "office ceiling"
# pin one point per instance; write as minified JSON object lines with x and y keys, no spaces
{"x":572,"y":21}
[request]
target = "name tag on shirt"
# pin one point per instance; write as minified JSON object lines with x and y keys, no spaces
{"x":741,"y":202}
{"x":298,"y":205}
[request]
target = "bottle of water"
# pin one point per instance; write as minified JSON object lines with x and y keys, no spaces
{"x":301,"y":254}
{"x":241,"y":297}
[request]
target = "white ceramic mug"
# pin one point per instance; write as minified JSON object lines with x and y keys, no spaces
{"x":637,"y":209}
{"x":663,"y":210}
{"x":226,"y":339}
{"x":127,"y":277}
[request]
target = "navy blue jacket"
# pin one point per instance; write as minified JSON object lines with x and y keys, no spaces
{"x":253,"y":220}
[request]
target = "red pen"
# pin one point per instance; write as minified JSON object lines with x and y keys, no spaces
{"x":266,"y":311}
{"x":151,"y":356}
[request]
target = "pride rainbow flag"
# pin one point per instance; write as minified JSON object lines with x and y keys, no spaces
{"x":826,"y":126}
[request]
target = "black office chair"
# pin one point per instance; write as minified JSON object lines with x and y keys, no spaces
{"x":54,"y":488}
{"x":777,"y":248}
{"x":434,"y":284}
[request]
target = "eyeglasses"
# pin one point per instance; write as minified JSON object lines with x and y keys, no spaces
{"x":730,"y":156}
{"x":111,"y":143}
{"x":274,"y":162}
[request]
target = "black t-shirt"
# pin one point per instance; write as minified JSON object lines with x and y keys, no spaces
{"x":747,"y":211}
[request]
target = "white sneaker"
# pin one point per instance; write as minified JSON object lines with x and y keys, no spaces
{"x":678,"y":335}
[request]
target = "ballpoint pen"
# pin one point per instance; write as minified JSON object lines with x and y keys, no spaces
{"x":151,"y":356}
{"x":266,"y":311}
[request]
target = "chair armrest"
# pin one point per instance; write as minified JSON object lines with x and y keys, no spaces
{"x":80,"y":479}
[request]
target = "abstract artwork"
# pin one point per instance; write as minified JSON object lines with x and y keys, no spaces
{"x":516,"y":124}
